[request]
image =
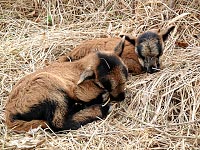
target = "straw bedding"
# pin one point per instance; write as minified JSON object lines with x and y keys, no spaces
{"x":161,"y":110}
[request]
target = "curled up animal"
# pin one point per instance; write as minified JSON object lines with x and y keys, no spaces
{"x":68,"y":95}
{"x":141,"y":54}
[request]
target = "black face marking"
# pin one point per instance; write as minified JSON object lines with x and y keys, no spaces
{"x":147,"y":36}
{"x":139,"y":51}
{"x":106,"y":65}
{"x":120,"y":97}
{"x":125,"y":71}
{"x":158,"y":64}
{"x":106,"y":84}
{"x":159,"y":48}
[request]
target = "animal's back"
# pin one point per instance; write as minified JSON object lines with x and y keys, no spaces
{"x":105,"y":44}
{"x":38,"y":87}
{"x":66,"y":95}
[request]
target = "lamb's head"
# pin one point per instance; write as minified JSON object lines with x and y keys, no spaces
{"x":149,"y":47}
{"x":108,"y":72}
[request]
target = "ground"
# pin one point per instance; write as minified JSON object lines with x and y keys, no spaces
{"x":161,"y":110}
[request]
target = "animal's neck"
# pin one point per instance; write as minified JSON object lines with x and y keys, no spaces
{"x":87,"y":61}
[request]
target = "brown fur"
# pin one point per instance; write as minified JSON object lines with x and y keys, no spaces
{"x":130,"y":55}
{"x":150,"y":47}
{"x":64,"y":86}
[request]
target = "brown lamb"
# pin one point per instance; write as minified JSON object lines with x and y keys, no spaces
{"x":69,"y":94}
{"x":141,"y":54}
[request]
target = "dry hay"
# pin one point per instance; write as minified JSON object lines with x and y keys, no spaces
{"x":161,"y":110}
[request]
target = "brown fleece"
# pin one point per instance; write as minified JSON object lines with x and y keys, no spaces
{"x":52,"y":84}
{"x":129,"y":56}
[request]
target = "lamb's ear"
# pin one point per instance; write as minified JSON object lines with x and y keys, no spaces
{"x":120,"y":47}
{"x":86,"y":74}
{"x":131,"y":39}
{"x":164,"y":34}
